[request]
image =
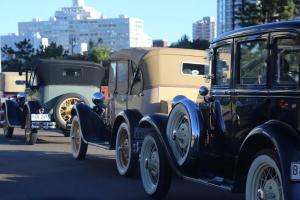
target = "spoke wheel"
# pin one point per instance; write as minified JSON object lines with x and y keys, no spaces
{"x":123,"y":149}
{"x":30,"y":134}
{"x":78,"y":146}
{"x":264,"y":180}
{"x":65,"y":108}
{"x":179,"y":133}
{"x":156,"y":173}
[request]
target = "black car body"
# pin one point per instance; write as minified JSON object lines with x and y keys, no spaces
{"x":250,"y":116}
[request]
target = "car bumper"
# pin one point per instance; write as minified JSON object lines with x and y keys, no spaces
{"x":43,"y":125}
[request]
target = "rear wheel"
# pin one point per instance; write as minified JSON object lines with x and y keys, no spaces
{"x":264,"y":180}
{"x":78,"y":146}
{"x":156,"y":174}
{"x":30,"y":134}
{"x":126,"y":161}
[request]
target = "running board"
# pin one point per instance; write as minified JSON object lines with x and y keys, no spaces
{"x":103,"y":145}
{"x":217,"y":182}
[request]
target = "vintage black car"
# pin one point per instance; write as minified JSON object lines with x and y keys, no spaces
{"x":53,"y":87}
{"x":141,"y":82}
{"x":245,"y":136}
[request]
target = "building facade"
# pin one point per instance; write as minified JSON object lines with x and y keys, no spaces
{"x":160,"y":43}
{"x":77,"y":26}
{"x":226,"y":12}
{"x":204,"y":29}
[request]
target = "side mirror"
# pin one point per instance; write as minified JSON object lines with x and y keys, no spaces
{"x":98,"y":98}
{"x":203,"y":91}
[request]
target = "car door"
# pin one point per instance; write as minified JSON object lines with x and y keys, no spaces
{"x":285,"y":90}
{"x":251,"y":104}
{"x":220,"y":117}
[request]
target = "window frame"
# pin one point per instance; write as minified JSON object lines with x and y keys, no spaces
{"x":238,"y":42}
{"x":216,"y":46}
{"x":274,"y":38}
{"x":117,"y":77}
{"x":193,"y":63}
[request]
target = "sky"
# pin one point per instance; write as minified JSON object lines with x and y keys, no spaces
{"x":163,"y":19}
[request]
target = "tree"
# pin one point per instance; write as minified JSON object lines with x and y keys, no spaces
{"x":51,"y":51}
{"x":19,"y":59}
{"x":186,"y":43}
{"x":265,"y":11}
{"x":99,"y":55}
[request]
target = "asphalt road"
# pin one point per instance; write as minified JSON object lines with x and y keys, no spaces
{"x":48,"y":171}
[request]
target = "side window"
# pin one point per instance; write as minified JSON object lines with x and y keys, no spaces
{"x":223,"y":65}
{"x":252,"y":62}
{"x":194,"y":69}
{"x":287,"y":62}
{"x":122,"y":77}
{"x":137,"y":85}
{"x":112,"y":76}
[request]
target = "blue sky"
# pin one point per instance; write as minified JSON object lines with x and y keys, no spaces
{"x":167,"y":19}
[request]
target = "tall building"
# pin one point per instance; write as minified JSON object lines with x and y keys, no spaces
{"x":226,"y":10}
{"x":76,"y":26}
{"x":160,"y":43}
{"x":204,"y":29}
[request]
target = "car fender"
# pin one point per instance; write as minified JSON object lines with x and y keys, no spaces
{"x":91,"y":124}
{"x":14,"y":114}
{"x":196,"y":120}
{"x":131,"y":117}
{"x":284,"y":139}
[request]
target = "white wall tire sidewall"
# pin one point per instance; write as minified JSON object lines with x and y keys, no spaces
{"x":75,"y":152}
{"x":257,"y":163}
{"x":145,"y":179}
{"x":123,"y":170}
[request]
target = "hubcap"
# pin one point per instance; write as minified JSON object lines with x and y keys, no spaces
{"x":267,"y":184}
{"x":66,"y":107}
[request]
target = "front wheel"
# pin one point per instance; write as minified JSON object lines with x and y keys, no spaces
{"x":156,"y":173}
{"x":78,"y":146}
{"x":30,"y":134}
{"x":126,"y":161}
{"x":264,"y":180}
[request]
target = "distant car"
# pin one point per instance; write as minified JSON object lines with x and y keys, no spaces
{"x":53,"y":87}
{"x":245,"y":136}
{"x":141,"y":82}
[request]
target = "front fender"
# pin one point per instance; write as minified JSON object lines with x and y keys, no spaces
{"x":92,"y":126}
{"x":14,"y":114}
{"x":285,"y":140}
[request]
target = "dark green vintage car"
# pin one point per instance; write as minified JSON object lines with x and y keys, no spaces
{"x":53,"y":87}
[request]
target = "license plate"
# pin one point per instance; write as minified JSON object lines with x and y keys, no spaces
{"x":40,"y":117}
{"x":295,"y":172}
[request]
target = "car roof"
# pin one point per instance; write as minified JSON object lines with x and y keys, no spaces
{"x":293,"y":25}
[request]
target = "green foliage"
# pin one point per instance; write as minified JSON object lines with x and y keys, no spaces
{"x":51,"y":51}
{"x":265,"y":11}
{"x":185,"y":43}
{"x":19,"y":59}
{"x":99,"y":54}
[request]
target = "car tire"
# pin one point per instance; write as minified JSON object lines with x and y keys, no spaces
{"x":78,"y":146}
{"x":264,"y":177}
{"x":63,"y":107}
{"x":7,"y":131}
{"x":126,"y":160}
{"x":153,"y":156}
{"x":30,"y":134}
{"x":179,"y":134}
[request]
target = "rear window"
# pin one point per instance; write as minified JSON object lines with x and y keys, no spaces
{"x":194,"y":69}
{"x":74,"y":73}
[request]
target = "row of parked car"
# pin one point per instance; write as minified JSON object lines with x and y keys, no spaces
{"x":240,"y":132}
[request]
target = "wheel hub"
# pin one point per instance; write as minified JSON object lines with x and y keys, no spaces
{"x":271,"y":190}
